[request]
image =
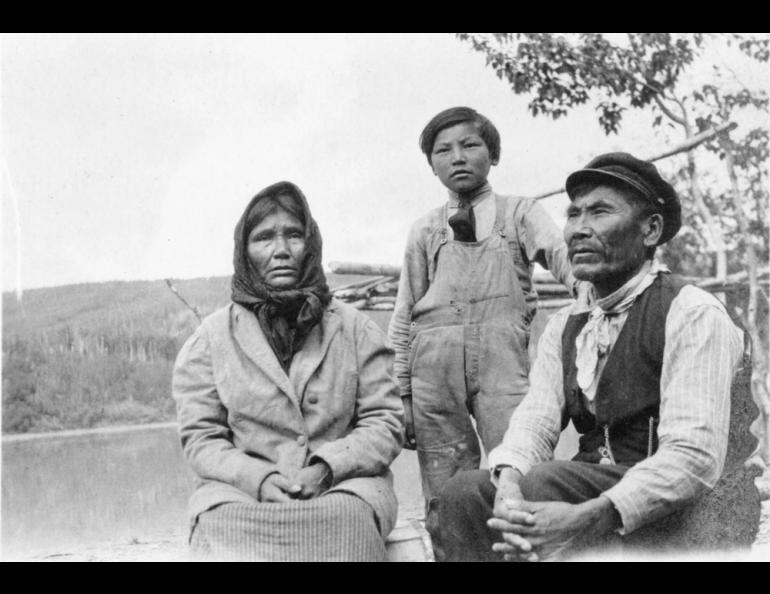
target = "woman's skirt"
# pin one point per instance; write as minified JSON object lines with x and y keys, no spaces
{"x":333,"y":527}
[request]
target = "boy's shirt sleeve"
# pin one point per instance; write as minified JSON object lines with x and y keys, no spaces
{"x":544,"y":243}
{"x":412,"y":285}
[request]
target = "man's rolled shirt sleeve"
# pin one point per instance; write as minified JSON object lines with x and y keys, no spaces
{"x":535,"y":425}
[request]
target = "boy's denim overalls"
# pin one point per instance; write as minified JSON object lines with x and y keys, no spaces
{"x":468,"y":343}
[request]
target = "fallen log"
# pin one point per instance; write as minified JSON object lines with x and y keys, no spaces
{"x":380,"y":306}
{"x":360,"y":283}
{"x":551,"y":289}
{"x":554,"y":303}
{"x":364,"y":289}
{"x":369,"y":269}
{"x":387,"y":287}
{"x":382,"y":299}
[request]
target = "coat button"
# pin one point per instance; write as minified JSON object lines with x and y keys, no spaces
{"x":312,"y":399}
{"x":301,"y":440}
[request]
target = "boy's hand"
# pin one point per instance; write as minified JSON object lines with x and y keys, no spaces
{"x":411,"y":441}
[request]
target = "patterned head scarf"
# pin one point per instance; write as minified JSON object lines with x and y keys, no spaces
{"x":286,"y":316}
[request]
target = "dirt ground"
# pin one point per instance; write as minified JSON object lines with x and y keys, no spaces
{"x":173,"y":548}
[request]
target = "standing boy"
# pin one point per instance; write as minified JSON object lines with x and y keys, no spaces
{"x":465,"y":303}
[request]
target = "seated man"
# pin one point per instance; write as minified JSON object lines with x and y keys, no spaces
{"x":642,"y":364}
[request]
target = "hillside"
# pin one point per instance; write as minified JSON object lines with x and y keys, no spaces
{"x":99,"y":354}
{"x":93,"y":306}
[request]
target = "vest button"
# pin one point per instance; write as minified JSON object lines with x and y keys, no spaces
{"x":301,"y":440}
{"x":312,"y":399}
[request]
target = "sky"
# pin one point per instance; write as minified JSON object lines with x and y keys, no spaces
{"x":132,"y":156}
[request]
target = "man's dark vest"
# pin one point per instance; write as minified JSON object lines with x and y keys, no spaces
{"x":628,"y":394}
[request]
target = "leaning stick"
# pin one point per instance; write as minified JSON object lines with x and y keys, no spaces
{"x":183,"y":300}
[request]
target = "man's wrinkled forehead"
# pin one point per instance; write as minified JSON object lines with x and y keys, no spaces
{"x":604,"y":196}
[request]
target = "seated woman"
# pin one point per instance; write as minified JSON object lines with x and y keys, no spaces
{"x":288,"y":411}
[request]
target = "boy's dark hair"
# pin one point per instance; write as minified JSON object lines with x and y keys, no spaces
{"x":643,"y":207}
{"x":458,"y":115}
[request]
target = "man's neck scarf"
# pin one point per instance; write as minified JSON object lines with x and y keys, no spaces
{"x":286,"y":316}
{"x":594,"y":340}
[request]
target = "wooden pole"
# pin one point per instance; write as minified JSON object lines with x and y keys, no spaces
{"x":687,"y":145}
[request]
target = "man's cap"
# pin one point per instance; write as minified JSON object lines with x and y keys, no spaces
{"x":640,"y":175}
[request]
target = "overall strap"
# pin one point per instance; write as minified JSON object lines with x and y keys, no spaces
{"x":501,"y":206}
{"x":444,"y":223}
{"x":437,"y":237}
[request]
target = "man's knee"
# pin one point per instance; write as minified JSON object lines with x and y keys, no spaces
{"x":467,"y":489}
{"x":465,"y":506}
{"x":543,"y":482}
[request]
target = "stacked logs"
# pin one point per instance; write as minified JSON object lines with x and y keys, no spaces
{"x":371,"y":293}
{"x":378,"y":290}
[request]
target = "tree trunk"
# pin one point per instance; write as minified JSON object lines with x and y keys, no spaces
{"x":714,"y":235}
{"x":760,"y":380}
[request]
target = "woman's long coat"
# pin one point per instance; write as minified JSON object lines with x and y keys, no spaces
{"x":242,"y":417}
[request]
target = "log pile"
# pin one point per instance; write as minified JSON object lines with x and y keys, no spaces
{"x":370,"y":293}
{"x":378,"y":290}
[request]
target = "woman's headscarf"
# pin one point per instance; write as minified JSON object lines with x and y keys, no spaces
{"x":286,"y":315}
